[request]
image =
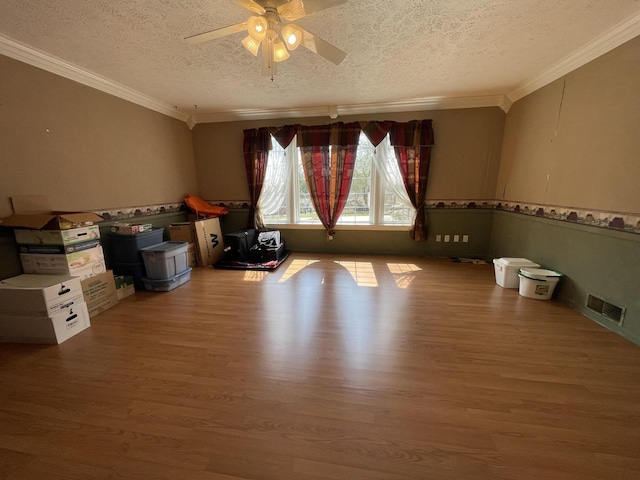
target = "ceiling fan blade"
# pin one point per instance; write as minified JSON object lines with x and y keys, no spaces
{"x":322,"y":48}
{"x":308,"y":7}
{"x":251,"y":5}
{"x":218,"y":33}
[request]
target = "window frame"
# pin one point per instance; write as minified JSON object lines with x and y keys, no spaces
{"x":292,"y":201}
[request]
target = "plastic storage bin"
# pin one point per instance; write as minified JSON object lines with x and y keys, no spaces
{"x":507,"y":270}
{"x":167,"y":284}
{"x":126,"y":248}
{"x":165,"y":260}
{"x":538,"y":283}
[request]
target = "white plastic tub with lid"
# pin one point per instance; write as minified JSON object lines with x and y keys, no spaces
{"x":538,"y":283}
{"x":507,"y":270}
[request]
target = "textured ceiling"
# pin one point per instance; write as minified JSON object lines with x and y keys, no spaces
{"x":398,"y":50}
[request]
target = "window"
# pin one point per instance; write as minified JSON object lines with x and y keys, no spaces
{"x":377,"y":195}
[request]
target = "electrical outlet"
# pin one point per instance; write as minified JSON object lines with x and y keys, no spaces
{"x":465,"y":239}
{"x":456,"y":238}
{"x":438,"y":238}
{"x":447,"y":238}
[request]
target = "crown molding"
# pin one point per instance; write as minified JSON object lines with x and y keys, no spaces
{"x":36,"y":58}
{"x":31,"y":56}
{"x":621,"y":33}
{"x":604,"y":43}
{"x":431,"y":103}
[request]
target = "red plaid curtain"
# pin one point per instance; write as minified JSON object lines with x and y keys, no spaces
{"x":256,"y":146}
{"x":412,"y":142}
{"x":328,"y":157}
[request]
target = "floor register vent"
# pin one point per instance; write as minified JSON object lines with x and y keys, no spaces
{"x":607,"y":310}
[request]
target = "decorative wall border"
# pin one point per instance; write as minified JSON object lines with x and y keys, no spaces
{"x":620,"y":221}
{"x":126,"y":213}
{"x":231,"y":204}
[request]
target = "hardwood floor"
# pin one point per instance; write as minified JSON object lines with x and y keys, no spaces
{"x":331,"y":367}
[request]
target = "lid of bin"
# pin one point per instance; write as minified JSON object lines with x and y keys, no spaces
{"x":164,"y":246}
{"x":540,"y":273}
{"x":515,"y":262}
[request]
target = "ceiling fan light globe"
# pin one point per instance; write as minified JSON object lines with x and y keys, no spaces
{"x":292,"y":36}
{"x":257,"y":27}
{"x":251,"y":44}
{"x":280,"y":52}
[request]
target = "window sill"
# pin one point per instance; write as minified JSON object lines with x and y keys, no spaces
{"x":307,"y":226}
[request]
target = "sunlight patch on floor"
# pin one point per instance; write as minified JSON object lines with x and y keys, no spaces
{"x":294,"y":267}
{"x":403,"y":273}
{"x":254,"y":275}
{"x":361,"y":272}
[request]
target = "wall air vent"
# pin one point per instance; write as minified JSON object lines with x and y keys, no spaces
{"x":605,"y":309}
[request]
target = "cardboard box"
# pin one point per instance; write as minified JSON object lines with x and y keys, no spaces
{"x":39,"y":295}
{"x":83,"y":264}
{"x":34,"y":212}
{"x":65,"y":238}
{"x":99,"y":293}
{"x":206,"y":235}
{"x":58,"y":249}
{"x":130,"y":228}
{"x":191,"y":255}
{"x":183,"y":232}
{"x":125,"y":286}
{"x":55,"y":329}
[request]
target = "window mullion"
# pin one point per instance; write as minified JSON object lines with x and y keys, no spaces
{"x":294,"y":194}
{"x":373,"y":200}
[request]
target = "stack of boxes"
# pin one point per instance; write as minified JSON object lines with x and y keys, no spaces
{"x":42,"y":308}
{"x":65,"y":281}
{"x":75,"y":251}
{"x":167,"y":266}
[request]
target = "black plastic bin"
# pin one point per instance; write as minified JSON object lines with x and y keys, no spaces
{"x":126,"y":248}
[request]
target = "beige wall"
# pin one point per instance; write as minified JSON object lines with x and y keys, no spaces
{"x":84,"y":149}
{"x":571,"y":143}
{"x":575,"y":142}
{"x":465,"y":159}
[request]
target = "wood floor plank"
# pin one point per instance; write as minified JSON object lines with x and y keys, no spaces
{"x":331,"y":367}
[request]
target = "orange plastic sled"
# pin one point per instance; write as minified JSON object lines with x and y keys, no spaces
{"x":202,"y":208}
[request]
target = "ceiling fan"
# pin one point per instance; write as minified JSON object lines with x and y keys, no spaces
{"x":270,"y":28}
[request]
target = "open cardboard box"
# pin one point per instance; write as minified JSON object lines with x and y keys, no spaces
{"x":34,"y":212}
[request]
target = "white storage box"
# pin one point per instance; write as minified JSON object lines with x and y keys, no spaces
{"x":167,"y":284}
{"x":538,"y":283}
{"x":17,"y":328}
{"x":43,"y":295}
{"x":165,"y":260}
{"x":57,"y":237}
{"x":507,"y":270}
{"x":83,"y":264}
{"x":59,"y":249}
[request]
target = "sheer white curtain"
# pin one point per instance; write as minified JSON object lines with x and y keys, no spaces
{"x":385,"y":160}
{"x":275,"y":189}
